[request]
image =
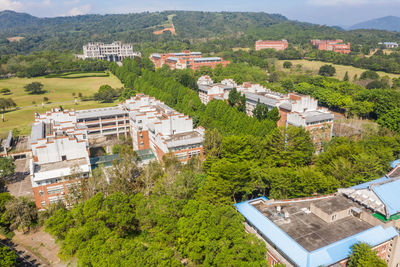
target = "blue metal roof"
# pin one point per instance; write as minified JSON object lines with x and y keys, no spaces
{"x":341,"y":249}
{"x":394,"y":163}
{"x":173,"y":58}
{"x":389,"y":194}
{"x":327,"y":255}
{"x":367,"y":184}
{"x":207,"y":59}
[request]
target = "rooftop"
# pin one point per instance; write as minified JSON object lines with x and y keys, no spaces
{"x":99,"y":112}
{"x":269,"y":101}
{"x":187,"y":138}
{"x":282,"y":233}
{"x":317,"y":115}
{"x":60,"y":165}
{"x":310,"y":231}
{"x":207,"y":59}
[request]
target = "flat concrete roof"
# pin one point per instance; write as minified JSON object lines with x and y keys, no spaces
{"x":99,"y":112}
{"x":334,"y":204}
{"x":60,"y":164}
{"x":307,"y":229}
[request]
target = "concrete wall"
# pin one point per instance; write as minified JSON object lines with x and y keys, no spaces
{"x":329,"y":217}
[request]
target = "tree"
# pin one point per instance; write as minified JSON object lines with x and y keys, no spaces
{"x":21,"y":213}
{"x":7,"y":167}
{"x":45,"y":99}
{"x":273,"y":77}
{"x":6,"y":103}
{"x":327,"y":70}
{"x":8,"y":257}
{"x":105,"y":94}
{"x":346,"y":77}
{"x":287,"y":64}
{"x":369,"y":74}
{"x":363,"y":255}
{"x":5,"y":91}
{"x":376,"y":84}
{"x":236,"y":99}
{"x":34,"y":88}
{"x":260,"y":111}
{"x":212,"y":143}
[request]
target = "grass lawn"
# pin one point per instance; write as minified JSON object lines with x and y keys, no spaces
{"x":58,"y":90}
{"x":340,"y":69}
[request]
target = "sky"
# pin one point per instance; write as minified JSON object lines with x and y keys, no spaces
{"x":329,"y":12}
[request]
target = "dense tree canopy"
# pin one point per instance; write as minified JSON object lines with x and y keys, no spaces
{"x":363,"y":255}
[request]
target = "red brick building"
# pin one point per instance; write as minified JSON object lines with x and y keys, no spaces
{"x":186,"y":59}
{"x":332,"y":45}
{"x":277,"y":45}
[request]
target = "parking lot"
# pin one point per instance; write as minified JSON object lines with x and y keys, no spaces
{"x":20,"y":184}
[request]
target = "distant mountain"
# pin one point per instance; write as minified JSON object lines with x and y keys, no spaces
{"x":208,"y":32}
{"x":12,"y":19}
{"x":389,"y":23}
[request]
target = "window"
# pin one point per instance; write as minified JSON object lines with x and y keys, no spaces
{"x":43,"y":203}
{"x":63,"y":157}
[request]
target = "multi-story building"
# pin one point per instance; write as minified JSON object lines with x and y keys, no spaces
{"x":332,"y":45}
{"x":60,"y":156}
{"x":115,"y":51}
{"x":390,"y":44}
{"x":186,"y":59}
{"x":60,"y":141}
{"x":209,"y":91}
{"x":320,"y":231}
{"x":303,"y":111}
{"x":156,"y":126}
{"x":277,"y":45}
{"x":104,"y":121}
{"x":294,"y":109}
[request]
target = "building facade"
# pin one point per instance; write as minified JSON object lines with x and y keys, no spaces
{"x":320,"y":231}
{"x":115,"y":51}
{"x":294,"y":109}
{"x":390,"y":45}
{"x":60,"y":141}
{"x":60,"y":156}
{"x":269,"y":44}
{"x":186,"y":59}
{"x":160,"y":128}
{"x":209,"y":91}
{"x":332,"y":45}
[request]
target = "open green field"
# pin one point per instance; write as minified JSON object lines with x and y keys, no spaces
{"x":58,"y":90}
{"x":340,"y":69}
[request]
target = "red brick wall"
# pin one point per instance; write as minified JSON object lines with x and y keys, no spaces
{"x":45,"y":197}
{"x":145,"y":139}
{"x":196,"y":66}
{"x":277,"y":45}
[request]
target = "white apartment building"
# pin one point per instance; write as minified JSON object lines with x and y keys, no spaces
{"x":160,"y":128}
{"x":59,"y":149}
{"x":115,"y":51}
{"x":294,"y":109}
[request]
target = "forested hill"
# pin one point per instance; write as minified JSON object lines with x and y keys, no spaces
{"x":389,"y":23}
{"x":221,"y":29}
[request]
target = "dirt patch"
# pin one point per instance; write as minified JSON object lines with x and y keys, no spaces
{"x":15,"y":39}
{"x":41,"y":245}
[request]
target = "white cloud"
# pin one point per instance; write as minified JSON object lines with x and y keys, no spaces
{"x":10,"y":5}
{"x":71,"y":2}
{"x":350,"y":2}
{"x":81,"y":10}
{"x":46,"y":2}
